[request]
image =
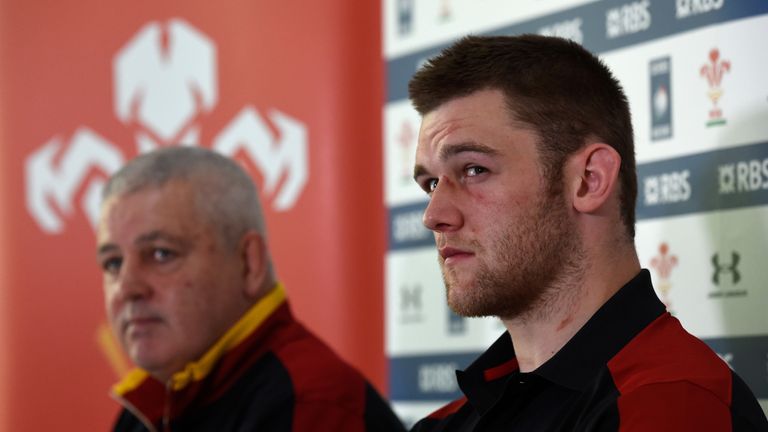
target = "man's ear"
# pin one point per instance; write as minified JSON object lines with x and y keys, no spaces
{"x":595,"y":171}
{"x":253,"y":252}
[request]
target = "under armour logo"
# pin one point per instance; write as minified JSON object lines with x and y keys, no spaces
{"x":410,"y":297}
{"x":404,"y":16}
{"x":456,"y":323}
{"x":729,"y":268}
{"x":410,"y":304}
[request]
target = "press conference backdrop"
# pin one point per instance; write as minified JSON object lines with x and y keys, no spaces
{"x":88,"y":85}
{"x":695,"y":73}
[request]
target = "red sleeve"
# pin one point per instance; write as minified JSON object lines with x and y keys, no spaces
{"x":325,"y":416}
{"x":672,"y":406}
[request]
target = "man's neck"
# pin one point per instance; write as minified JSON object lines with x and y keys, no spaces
{"x":541,"y":333}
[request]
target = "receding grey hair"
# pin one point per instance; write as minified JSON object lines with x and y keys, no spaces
{"x":224,"y":193}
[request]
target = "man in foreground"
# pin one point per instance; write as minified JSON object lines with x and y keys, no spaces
{"x":192,"y":296}
{"x":527,"y":154}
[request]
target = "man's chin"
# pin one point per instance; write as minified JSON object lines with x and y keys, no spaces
{"x":470,"y":311}
{"x":467,"y":305}
{"x":146,"y":358}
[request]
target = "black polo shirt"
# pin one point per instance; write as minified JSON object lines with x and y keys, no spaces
{"x":631,"y":367}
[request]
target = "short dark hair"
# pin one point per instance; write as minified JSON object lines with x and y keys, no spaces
{"x":554,"y":85}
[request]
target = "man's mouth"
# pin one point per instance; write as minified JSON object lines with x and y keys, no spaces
{"x":140,"y":323}
{"x":450,"y":254}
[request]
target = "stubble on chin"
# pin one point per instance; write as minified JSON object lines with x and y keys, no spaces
{"x":490,"y":294}
{"x":532,"y":263}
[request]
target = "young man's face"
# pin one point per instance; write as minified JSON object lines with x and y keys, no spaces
{"x":501,"y":238}
{"x":171,"y":287}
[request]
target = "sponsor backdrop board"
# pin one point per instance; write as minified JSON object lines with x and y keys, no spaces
{"x":694,"y":72}
{"x":289,"y":90}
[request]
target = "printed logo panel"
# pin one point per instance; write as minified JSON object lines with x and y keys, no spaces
{"x":708,"y":272}
{"x":165,"y":81}
{"x":410,"y":25}
{"x":717,"y":180}
{"x":690,"y":8}
{"x":663,"y":264}
{"x":661,"y":98}
{"x":748,"y":356}
{"x":703,"y":170}
{"x":404,"y":12}
{"x":418,"y":317}
{"x":406,"y":228}
{"x":713,"y":71}
{"x":90,"y":86}
{"x":428,"y":377}
{"x":401,"y":132}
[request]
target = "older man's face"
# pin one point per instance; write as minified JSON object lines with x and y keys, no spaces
{"x":171,"y":287}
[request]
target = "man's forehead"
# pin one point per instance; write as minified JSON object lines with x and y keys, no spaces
{"x":450,"y":113}
{"x":478,"y":106}
{"x":174,"y":192}
{"x":163,"y":209}
{"x":146,"y":237}
{"x":149,"y":235}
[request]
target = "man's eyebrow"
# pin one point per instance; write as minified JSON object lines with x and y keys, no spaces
{"x":474,"y":147}
{"x":158,"y":235}
{"x":419,"y":171}
{"x":144,"y":238}
{"x":105,"y":249}
{"x":452,"y":150}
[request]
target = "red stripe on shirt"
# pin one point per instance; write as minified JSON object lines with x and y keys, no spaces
{"x":501,"y":370}
{"x":448,"y":409}
{"x":671,"y":380}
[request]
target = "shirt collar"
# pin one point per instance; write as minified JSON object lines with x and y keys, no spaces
{"x":623,"y":316}
{"x":611,"y":328}
{"x":484,"y":380}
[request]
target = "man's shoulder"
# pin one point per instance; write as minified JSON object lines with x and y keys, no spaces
{"x":310,"y":361}
{"x":675,"y":376}
{"x":328,"y":393}
{"x":664,"y":352}
{"x":452,"y":413}
{"x":315,"y":372}
{"x":127,"y":422}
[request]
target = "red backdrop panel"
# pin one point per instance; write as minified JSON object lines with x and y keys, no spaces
{"x":316,"y":64}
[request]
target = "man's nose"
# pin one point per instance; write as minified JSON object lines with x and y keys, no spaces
{"x":442,"y":213}
{"x":132,"y":283}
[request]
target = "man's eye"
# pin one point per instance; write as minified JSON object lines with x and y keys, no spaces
{"x":112,"y":265}
{"x":162,"y":255}
{"x":431,"y":185}
{"x":475,"y":170}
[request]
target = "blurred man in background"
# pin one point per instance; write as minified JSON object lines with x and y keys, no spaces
{"x":193,"y":298}
{"x":527,"y":154}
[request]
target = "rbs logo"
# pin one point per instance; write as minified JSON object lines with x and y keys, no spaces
{"x":165,"y":81}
